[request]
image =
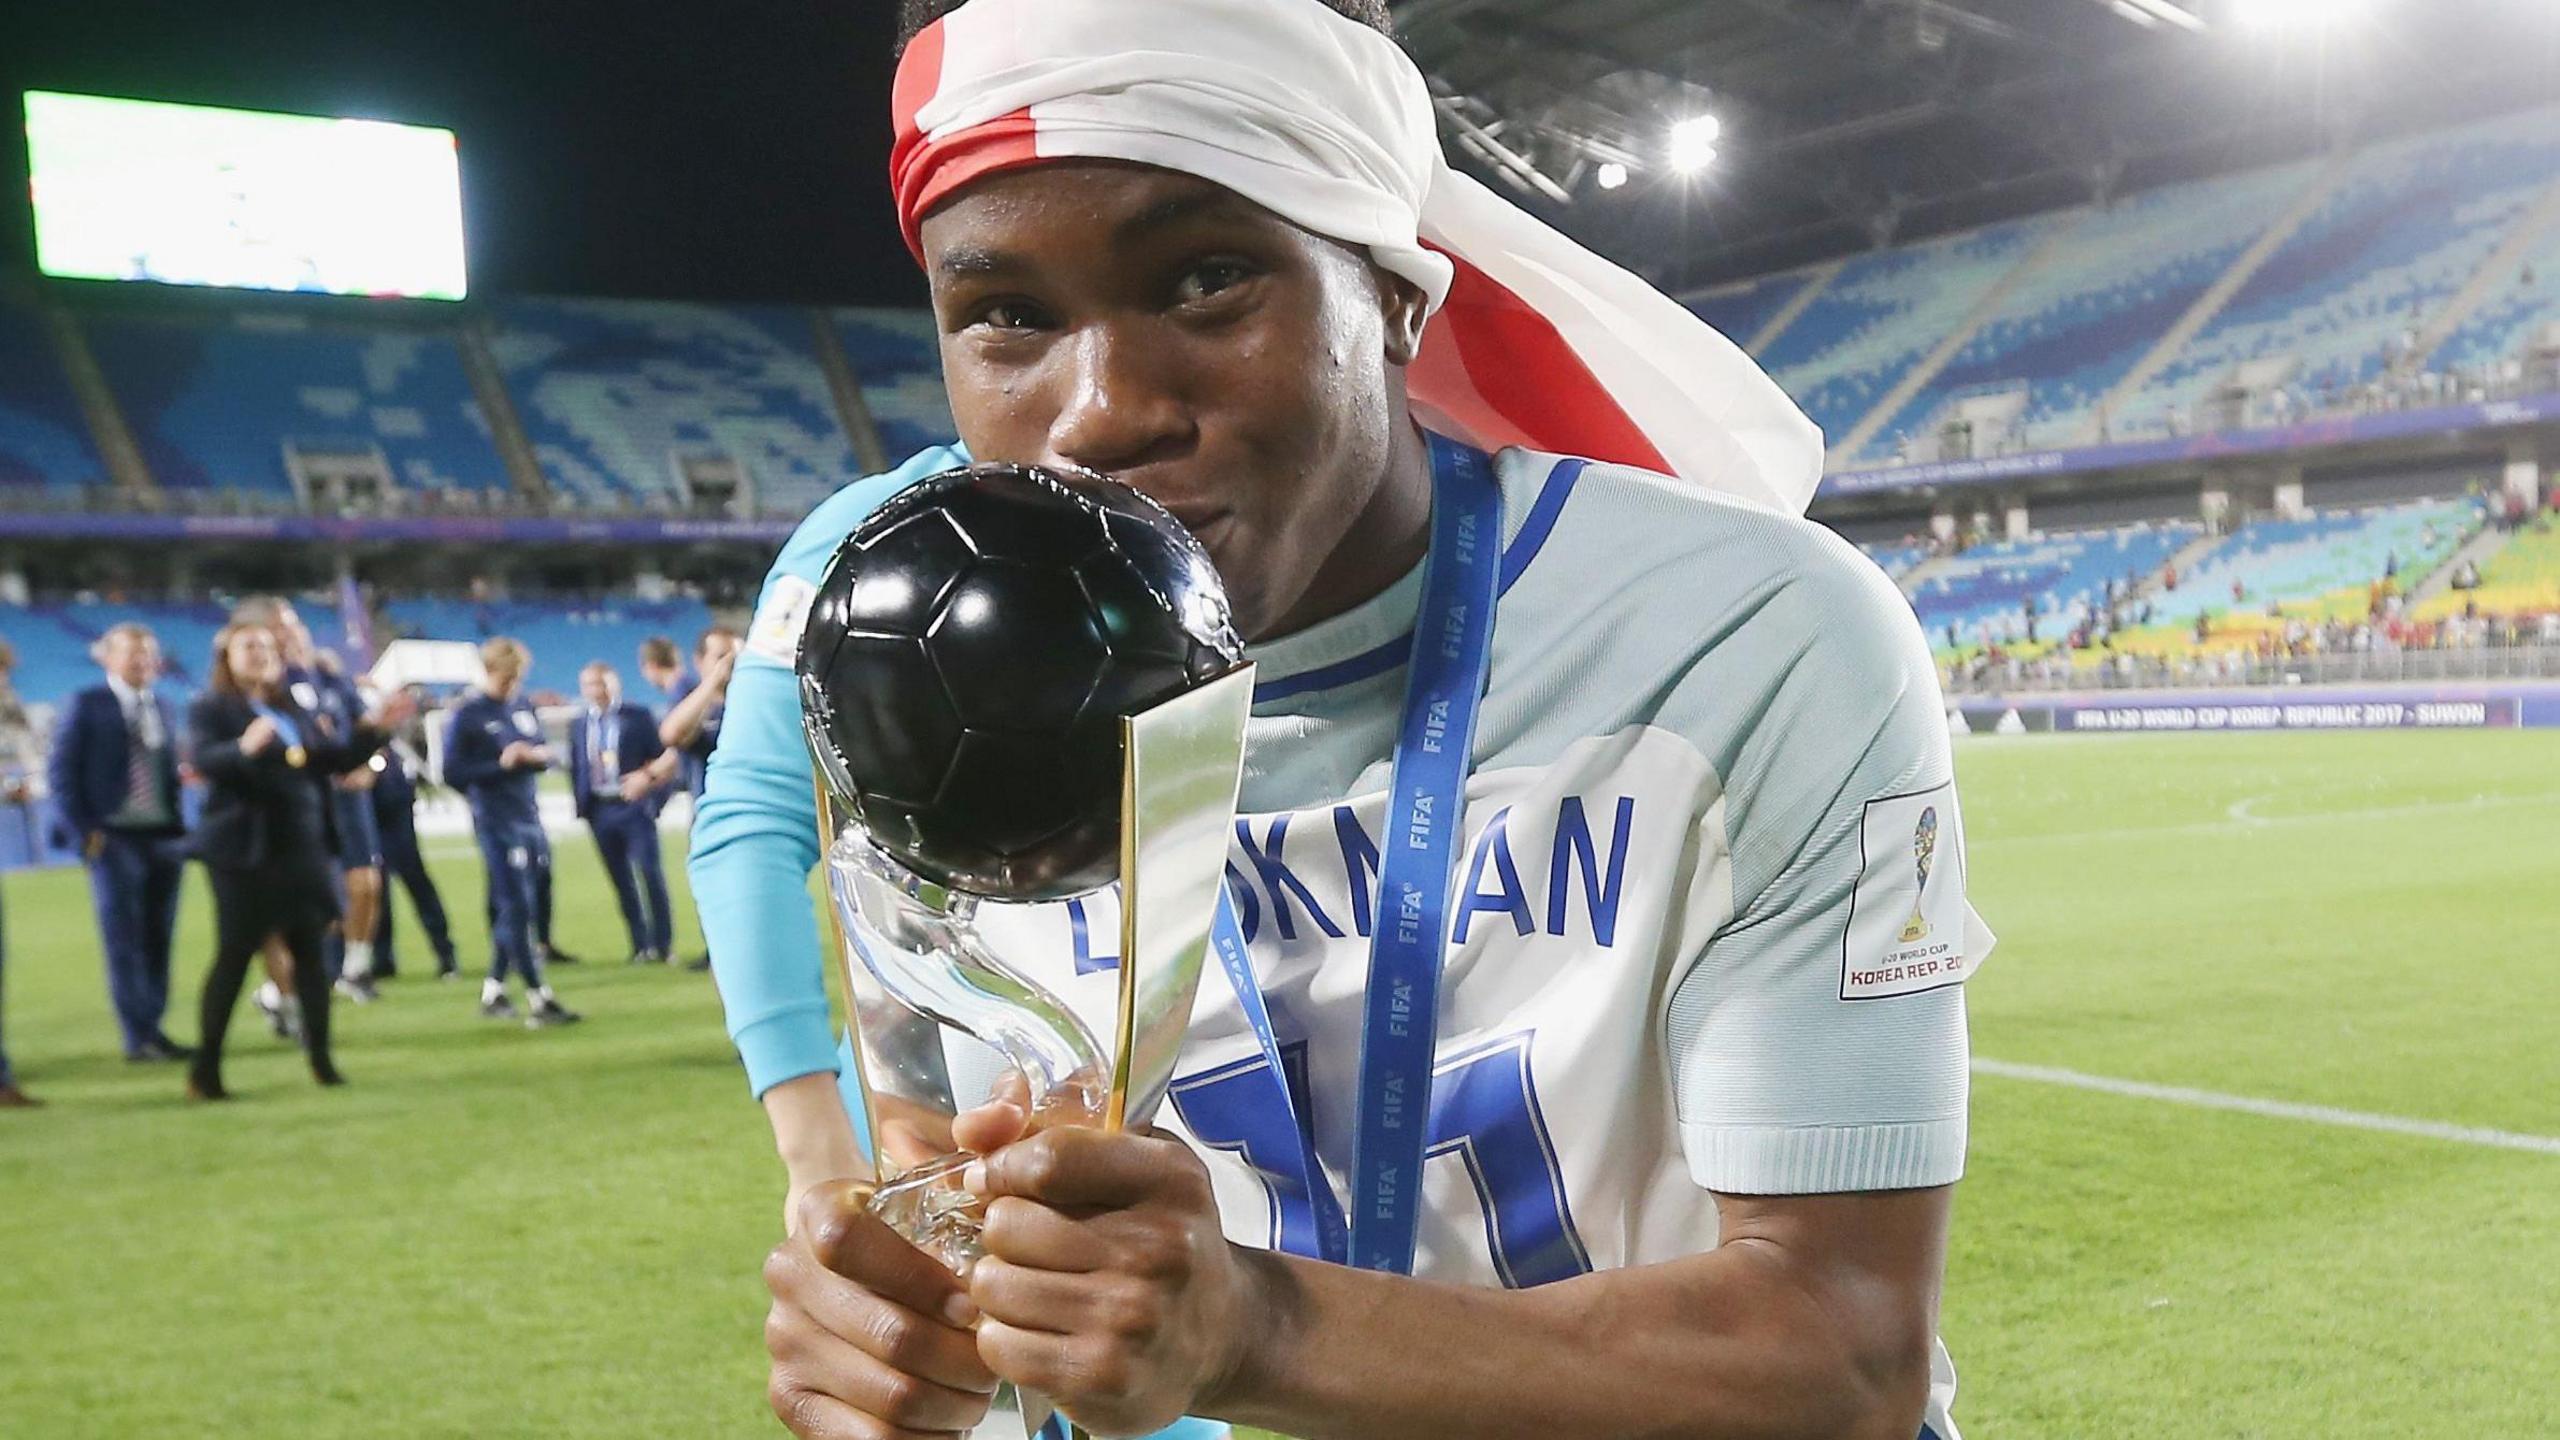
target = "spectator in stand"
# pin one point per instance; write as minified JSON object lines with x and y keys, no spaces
{"x":265,"y":836}
{"x":494,"y":755}
{"x":17,"y":767}
{"x":618,"y":774}
{"x":114,"y":777}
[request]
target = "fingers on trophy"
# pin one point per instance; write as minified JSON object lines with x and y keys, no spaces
{"x":1019,"y":687}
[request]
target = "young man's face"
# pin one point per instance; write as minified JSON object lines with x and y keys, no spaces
{"x":1161,"y":329}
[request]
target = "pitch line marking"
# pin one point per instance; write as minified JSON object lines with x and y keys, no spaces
{"x":2242,"y":818}
{"x":2272,"y":1109}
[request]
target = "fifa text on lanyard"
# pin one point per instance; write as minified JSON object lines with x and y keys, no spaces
{"x":1444,"y":685}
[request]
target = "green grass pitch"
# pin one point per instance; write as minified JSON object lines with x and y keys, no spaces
{"x":494,"y":1233}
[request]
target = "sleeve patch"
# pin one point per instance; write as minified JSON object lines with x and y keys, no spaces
{"x":775,"y":633}
{"x":1909,"y":926}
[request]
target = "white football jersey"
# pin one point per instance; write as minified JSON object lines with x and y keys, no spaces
{"x":1709,"y":926}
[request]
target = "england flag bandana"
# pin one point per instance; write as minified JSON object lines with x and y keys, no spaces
{"x":1534,"y":341}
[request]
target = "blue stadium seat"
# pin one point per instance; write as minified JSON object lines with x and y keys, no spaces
{"x":2300,"y":560}
{"x":563,"y":635}
{"x":212,"y":403}
{"x":2064,"y":575}
{"x":1896,"y":560}
{"x":1741,"y":310}
{"x":1885,"y":311}
{"x":53,"y":639}
{"x":2523,"y":305}
{"x":896,"y":354}
{"x":2073,"y":329}
{"x":2408,"y":226}
{"x":44,"y":440}
{"x":613,"y":392}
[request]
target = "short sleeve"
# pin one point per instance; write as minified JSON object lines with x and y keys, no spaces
{"x":1818,"y":1037}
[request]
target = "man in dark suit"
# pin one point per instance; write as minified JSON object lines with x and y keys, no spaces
{"x":114,"y":774}
{"x":618,"y":775}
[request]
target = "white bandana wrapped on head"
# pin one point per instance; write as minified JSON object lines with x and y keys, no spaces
{"x":1534,"y":340}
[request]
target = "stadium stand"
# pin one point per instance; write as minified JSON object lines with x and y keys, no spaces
{"x":214,"y":401}
{"x":1740,"y":311}
{"x":613,"y":393}
{"x":562,"y":634}
{"x":2064,"y":576}
{"x":2070,"y":331}
{"x":2521,"y":578}
{"x":896,"y":356}
{"x":2523,"y":310}
{"x":1896,"y":560}
{"x":44,"y":441}
{"x":2408,"y":225}
{"x":2322,"y":564}
{"x":1886,"y":310}
{"x":53,"y":640}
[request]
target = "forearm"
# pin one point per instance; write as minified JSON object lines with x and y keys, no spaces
{"x":1724,"y":1345}
{"x":812,"y":1133}
{"x":685,"y":717}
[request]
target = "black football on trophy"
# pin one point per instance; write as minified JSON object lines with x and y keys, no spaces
{"x":969,"y":655}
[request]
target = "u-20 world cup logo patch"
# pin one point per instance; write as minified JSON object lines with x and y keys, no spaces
{"x":1924,"y":848}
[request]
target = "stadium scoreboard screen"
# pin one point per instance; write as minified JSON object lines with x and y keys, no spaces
{"x":194,"y":195}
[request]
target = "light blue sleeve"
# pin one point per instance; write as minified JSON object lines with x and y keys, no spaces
{"x":756,"y":839}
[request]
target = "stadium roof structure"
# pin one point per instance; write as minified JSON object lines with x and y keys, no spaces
{"x":1849,"y":124}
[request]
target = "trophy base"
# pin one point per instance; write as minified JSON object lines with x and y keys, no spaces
{"x":927,"y":1206}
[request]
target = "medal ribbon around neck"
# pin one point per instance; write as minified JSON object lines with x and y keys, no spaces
{"x":286,"y":730}
{"x":1418,"y":856}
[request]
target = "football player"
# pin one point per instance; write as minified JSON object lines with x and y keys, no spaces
{"x":1685,"y":1001}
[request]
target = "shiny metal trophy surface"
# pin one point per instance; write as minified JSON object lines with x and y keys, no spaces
{"x":950,"y":1008}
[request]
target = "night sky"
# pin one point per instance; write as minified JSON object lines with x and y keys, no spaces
{"x":719,"y":150}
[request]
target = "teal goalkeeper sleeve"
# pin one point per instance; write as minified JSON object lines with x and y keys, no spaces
{"x":756,"y":837}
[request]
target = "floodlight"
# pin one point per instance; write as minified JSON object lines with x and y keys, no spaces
{"x":1693,"y":143}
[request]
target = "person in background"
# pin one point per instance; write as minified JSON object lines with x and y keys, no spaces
{"x":618,"y":774}
{"x":17,"y":765}
{"x":395,"y":802}
{"x":114,"y":777}
{"x":692,"y":723}
{"x":322,"y":687}
{"x":265,"y":836}
{"x":697,"y":700}
{"x":493,"y":755}
{"x":661,"y":666}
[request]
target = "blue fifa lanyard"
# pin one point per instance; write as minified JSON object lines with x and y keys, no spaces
{"x":1444,"y":686}
{"x":286,"y":730}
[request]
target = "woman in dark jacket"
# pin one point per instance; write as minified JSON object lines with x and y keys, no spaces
{"x":266,"y":836}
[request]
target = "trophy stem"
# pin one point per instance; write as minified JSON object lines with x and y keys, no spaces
{"x":1115,"y":1115}
{"x":828,"y":829}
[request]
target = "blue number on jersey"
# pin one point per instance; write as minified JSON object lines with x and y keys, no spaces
{"x":1484,"y":1109}
{"x":1229,"y":1109}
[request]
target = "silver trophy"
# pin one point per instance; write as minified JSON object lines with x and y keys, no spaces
{"x":1116,"y":745}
